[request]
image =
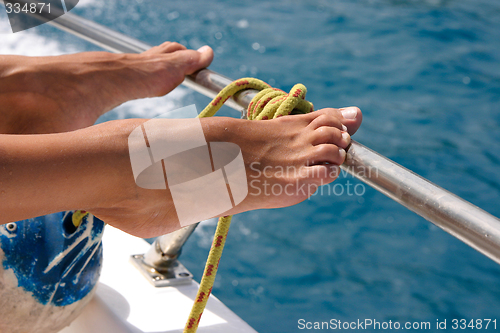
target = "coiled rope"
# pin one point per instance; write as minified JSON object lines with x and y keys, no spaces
{"x":269,"y":103}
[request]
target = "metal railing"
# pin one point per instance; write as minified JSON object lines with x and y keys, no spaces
{"x":456,"y":216}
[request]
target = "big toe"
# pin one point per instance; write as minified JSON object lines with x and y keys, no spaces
{"x":351,"y":118}
{"x":195,"y":60}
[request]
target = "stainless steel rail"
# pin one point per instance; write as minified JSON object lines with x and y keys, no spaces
{"x":460,"y":218}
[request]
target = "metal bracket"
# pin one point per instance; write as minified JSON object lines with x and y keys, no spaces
{"x":175,"y":275}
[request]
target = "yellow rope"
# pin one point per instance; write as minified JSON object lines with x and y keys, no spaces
{"x":269,"y":103}
{"x":77,"y":217}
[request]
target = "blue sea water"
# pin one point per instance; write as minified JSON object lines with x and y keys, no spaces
{"x":426,"y":74}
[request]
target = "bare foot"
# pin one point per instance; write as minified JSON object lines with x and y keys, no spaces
{"x":286,"y":159}
{"x":64,"y":93}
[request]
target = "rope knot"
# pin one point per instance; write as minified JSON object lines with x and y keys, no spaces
{"x":272,"y":103}
{"x":269,"y":103}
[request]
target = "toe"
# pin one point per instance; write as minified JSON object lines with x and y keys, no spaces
{"x":326,"y":153}
{"x":330,"y":135}
{"x":206,"y":56}
{"x":169,"y":47}
{"x":192,"y":60}
{"x":351,"y":118}
{"x":166,"y":47}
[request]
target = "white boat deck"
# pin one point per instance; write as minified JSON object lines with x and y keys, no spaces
{"x":125,"y":302}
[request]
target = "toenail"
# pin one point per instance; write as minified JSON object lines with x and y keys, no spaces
{"x":349,"y":113}
{"x":342,"y":154}
{"x":344,"y":128}
{"x":346,"y":137}
{"x":203,"y":48}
